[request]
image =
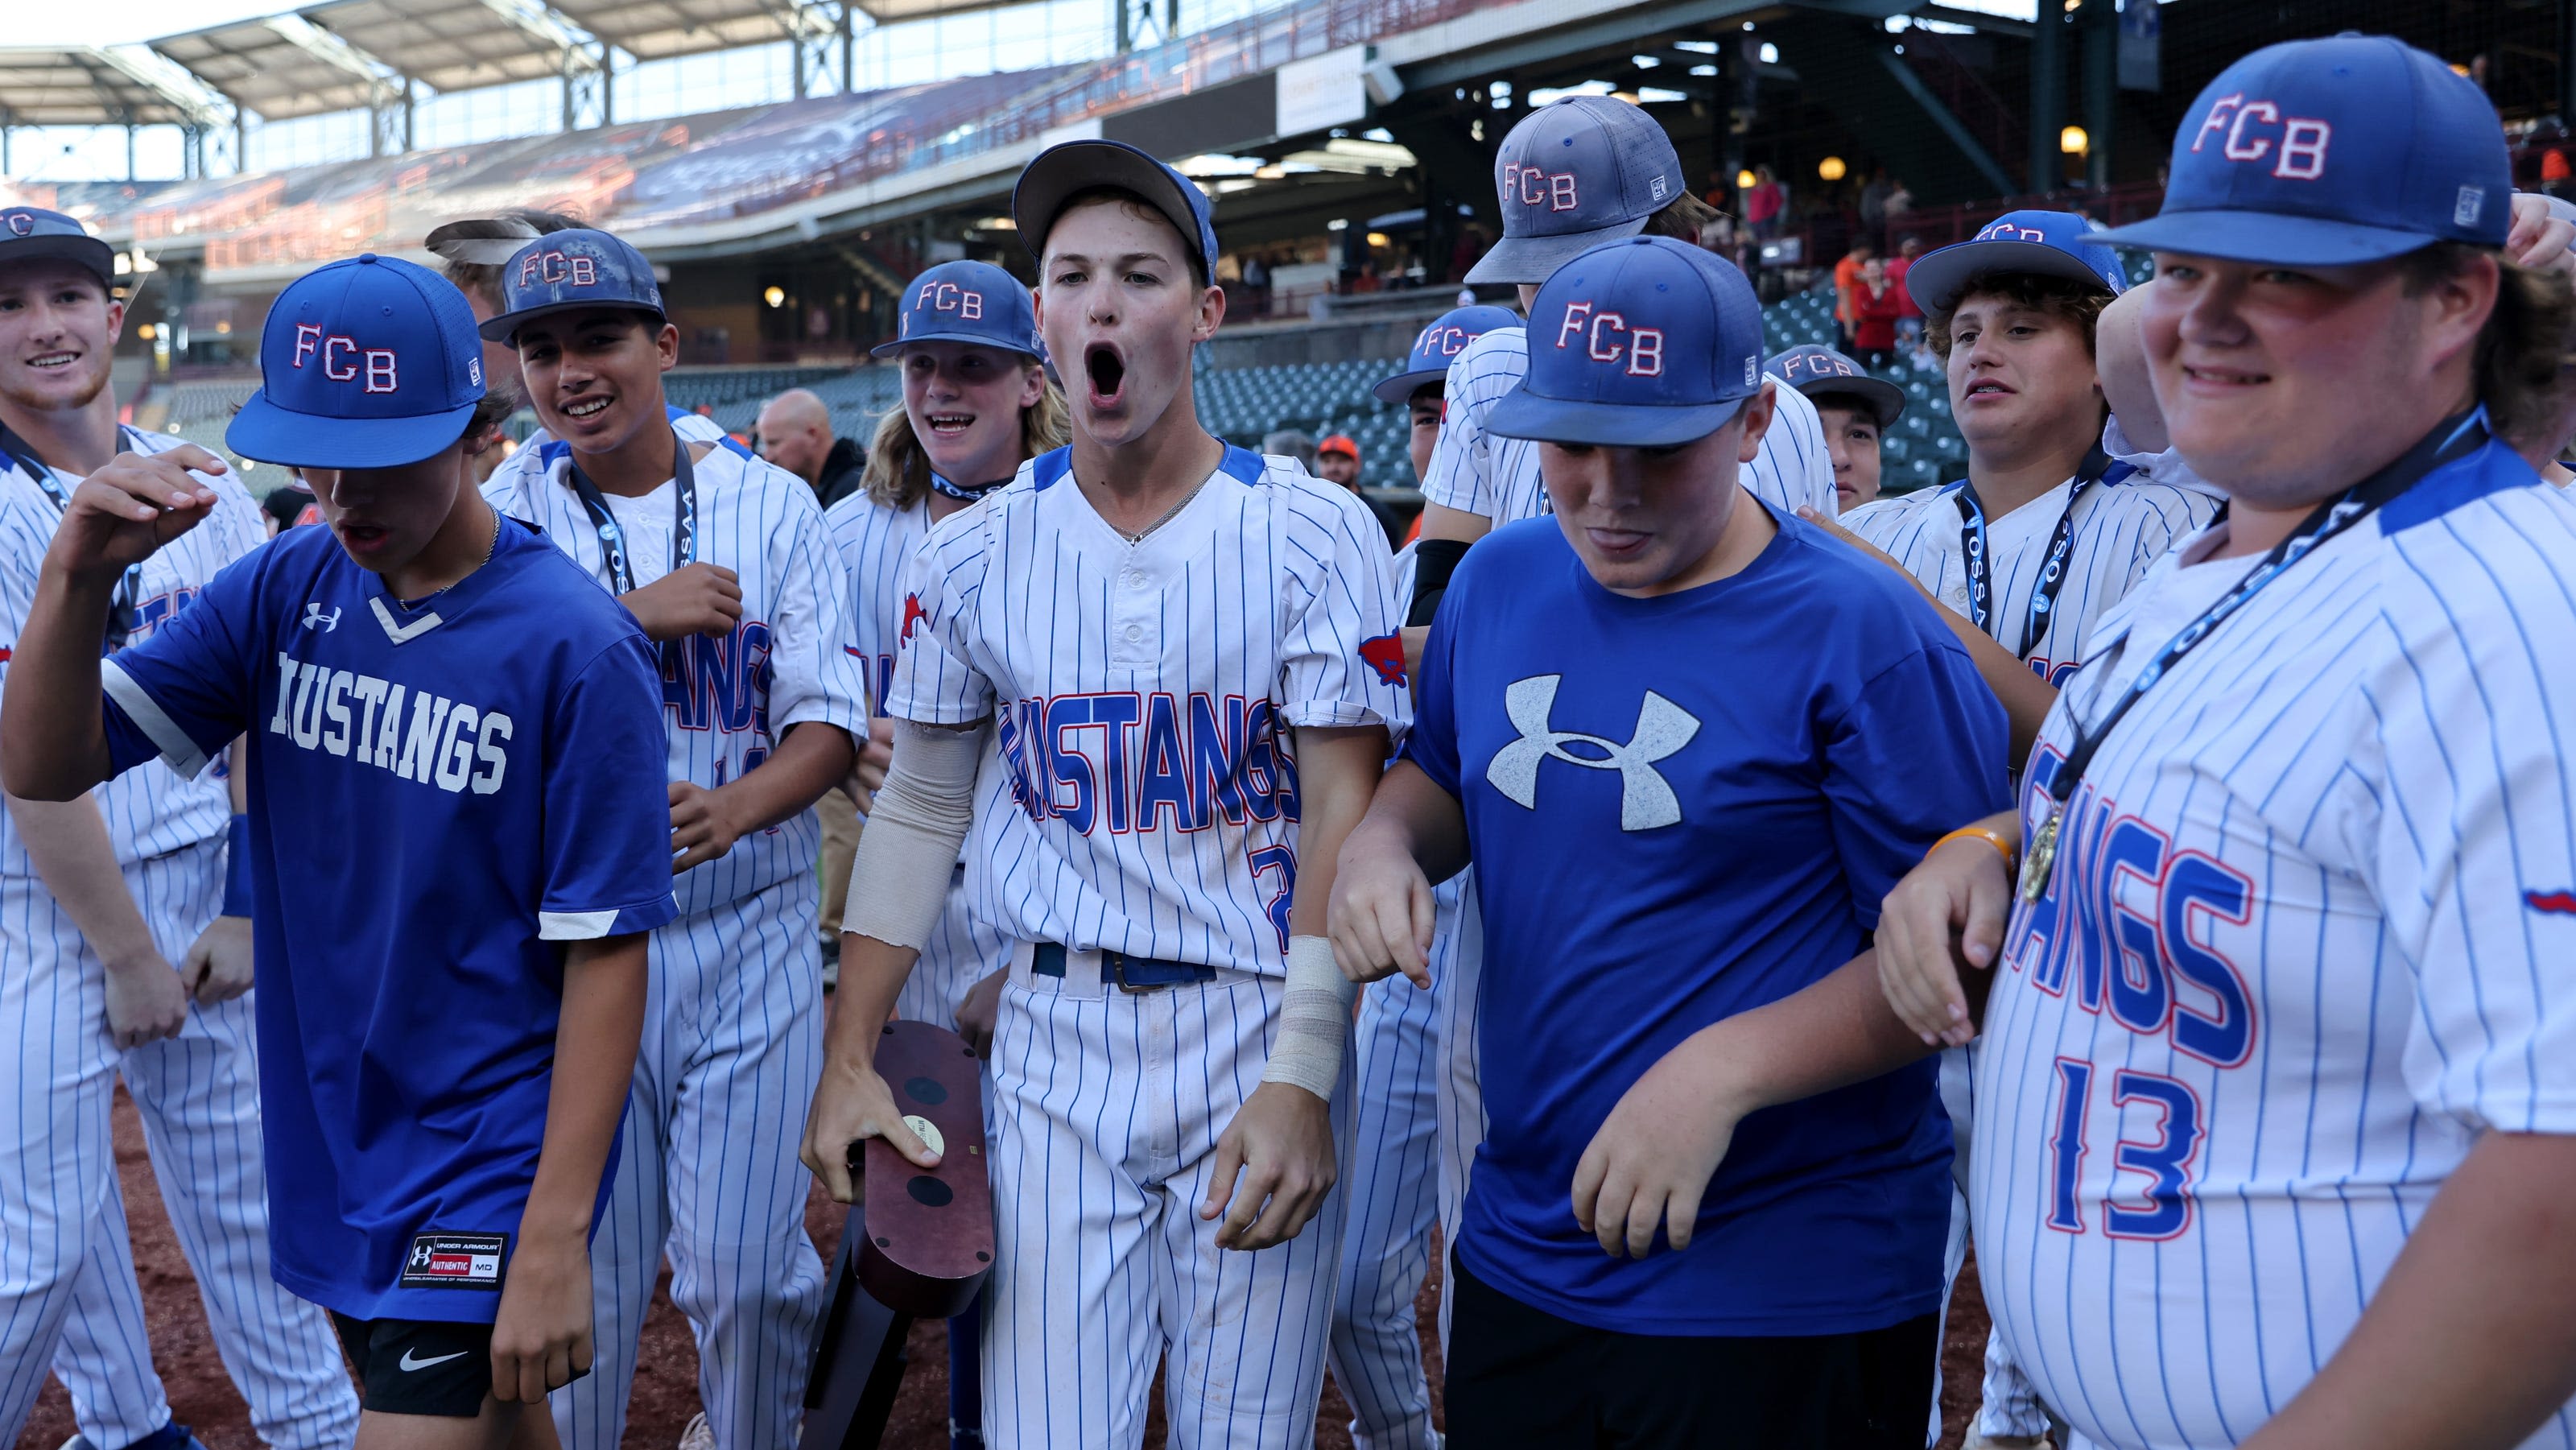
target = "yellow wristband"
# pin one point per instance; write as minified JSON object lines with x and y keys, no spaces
{"x":1990,"y":837}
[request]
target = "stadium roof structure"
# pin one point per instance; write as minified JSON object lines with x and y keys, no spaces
{"x":89,"y":85}
{"x":454,"y":45}
{"x":280,"y":67}
{"x":887,"y":12}
{"x":656,"y":29}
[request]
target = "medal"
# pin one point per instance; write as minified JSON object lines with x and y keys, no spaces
{"x":2042,"y":855}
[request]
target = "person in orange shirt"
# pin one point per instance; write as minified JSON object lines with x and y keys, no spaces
{"x":1847,"y":288}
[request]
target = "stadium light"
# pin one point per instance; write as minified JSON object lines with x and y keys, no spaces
{"x":1380,"y":239}
{"x":1745,"y":180}
{"x":2073,"y":141}
{"x":774,"y":296}
{"x":1831,"y":168}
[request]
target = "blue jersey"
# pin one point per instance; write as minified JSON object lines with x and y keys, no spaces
{"x":1742,"y":771}
{"x":440,"y":796}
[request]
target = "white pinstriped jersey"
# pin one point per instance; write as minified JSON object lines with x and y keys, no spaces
{"x":1477,"y":472}
{"x":150,"y":810}
{"x":2307,"y":937}
{"x":786,"y":662}
{"x":2121,"y":528}
{"x":1142,"y":793}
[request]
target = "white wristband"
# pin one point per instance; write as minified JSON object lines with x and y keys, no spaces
{"x":1314,"y":1019}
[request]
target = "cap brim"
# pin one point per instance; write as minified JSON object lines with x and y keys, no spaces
{"x":1937,"y":279}
{"x":1523,"y":414}
{"x":500,"y":328}
{"x":1400,"y":389}
{"x":889,"y":349}
{"x":271,"y":434}
{"x":1060,"y":171}
{"x":1884,"y":400}
{"x":1532,"y":260}
{"x":88,"y":253}
{"x":2261,"y":236}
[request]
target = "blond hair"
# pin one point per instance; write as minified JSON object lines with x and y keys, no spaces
{"x":898,"y":471}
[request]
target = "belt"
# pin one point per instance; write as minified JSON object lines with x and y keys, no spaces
{"x":1126,"y":973}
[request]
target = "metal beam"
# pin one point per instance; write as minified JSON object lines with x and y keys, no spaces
{"x":2047,"y":100}
{"x":334,"y":52}
{"x":1910,"y":83}
{"x":197,"y":108}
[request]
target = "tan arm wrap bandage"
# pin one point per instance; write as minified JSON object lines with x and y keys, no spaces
{"x":899,"y":876}
{"x":1314,"y":1019}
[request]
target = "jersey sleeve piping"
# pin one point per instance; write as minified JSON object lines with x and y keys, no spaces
{"x":178,"y":751}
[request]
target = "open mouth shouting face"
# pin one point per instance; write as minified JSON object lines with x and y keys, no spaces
{"x":964,"y":401}
{"x":58,"y":328}
{"x":1119,"y":300}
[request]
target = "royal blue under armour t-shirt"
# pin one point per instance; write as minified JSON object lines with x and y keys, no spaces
{"x":441,"y":797}
{"x":1682,"y":808}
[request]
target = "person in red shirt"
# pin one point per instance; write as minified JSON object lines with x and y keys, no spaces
{"x":1909,"y":318}
{"x":1877,"y":302}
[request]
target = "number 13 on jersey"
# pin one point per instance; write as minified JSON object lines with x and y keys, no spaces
{"x":2151,"y":1126}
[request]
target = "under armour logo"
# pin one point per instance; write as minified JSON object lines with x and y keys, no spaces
{"x":1646,"y":800}
{"x":420,"y":1255}
{"x":314,"y":618}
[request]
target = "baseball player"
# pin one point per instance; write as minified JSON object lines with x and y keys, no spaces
{"x":1743,"y":807}
{"x":1189,"y":655}
{"x":99,"y":897}
{"x":1396,"y":1160}
{"x":448,"y":1013}
{"x":2272,"y":1090}
{"x":2045,"y":533}
{"x":722,"y":559}
{"x":976,"y":405}
{"x":1855,"y":409}
{"x":473,"y":253}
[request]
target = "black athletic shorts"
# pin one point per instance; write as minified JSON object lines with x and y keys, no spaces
{"x":419,"y":1366}
{"x":1520,"y":1376}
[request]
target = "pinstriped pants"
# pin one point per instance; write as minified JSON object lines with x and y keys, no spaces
{"x":67,"y":1284}
{"x":708,"y":1172}
{"x":1106,"y":1108}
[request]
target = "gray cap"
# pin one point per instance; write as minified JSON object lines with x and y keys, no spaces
{"x":1573,"y":174}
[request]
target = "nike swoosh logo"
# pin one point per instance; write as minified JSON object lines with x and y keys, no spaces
{"x":409,"y":1363}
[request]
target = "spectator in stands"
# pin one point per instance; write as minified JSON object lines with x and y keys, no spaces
{"x":290,"y":504}
{"x":1468,"y":251}
{"x":1337,"y":460}
{"x":1292,"y":443}
{"x":795,"y":432}
{"x":1765,"y":204}
{"x":1873,"y":205}
{"x":1909,"y":318}
{"x":1876,"y":305}
{"x":1847,"y":288}
{"x":1856,"y":410}
{"x":1256,"y":284}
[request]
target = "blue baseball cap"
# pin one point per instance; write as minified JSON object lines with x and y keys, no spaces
{"x":2031,"y":243}
{"x":967,"y":302}
{"x":1642,"y":343}
{"x":1438,"y":345}
{"x":28,"y":233}
{"x":1573,"y":174}
{"x":1060,"y":171}
{"x":2330,"y":152}
{"x":1821,"y":373}
{"x":370,"y":362}
{"x":580,"y":270}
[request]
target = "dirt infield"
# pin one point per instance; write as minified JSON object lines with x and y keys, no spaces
{"x":666,"y":1384}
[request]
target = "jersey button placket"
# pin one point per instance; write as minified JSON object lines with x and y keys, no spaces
{"x":1134,"y":638}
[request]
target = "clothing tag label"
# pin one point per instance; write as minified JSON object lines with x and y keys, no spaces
{"x":455,"y":1261}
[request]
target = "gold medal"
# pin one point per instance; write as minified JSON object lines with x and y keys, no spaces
{"x":2041,"y":856}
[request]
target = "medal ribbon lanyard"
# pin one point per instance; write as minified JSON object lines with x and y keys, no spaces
{"x":612,"y":535}
{"x":2052,"y":574}
{"x":129,"y":590}
{"x":2452,"y":441}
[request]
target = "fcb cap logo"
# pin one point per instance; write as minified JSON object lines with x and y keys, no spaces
{"x":1438,"y":345}
{"x":2031,"y":243}
{"x":1821,"y":373}
{"x":573,"y":271}
{"x":1643,"y":343}
{"x":1573,"y":174}
{"x":30,"y":232}
{"x":970,"y":302}
{"x":2331,"y":152}
{"x":370,"y":362}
